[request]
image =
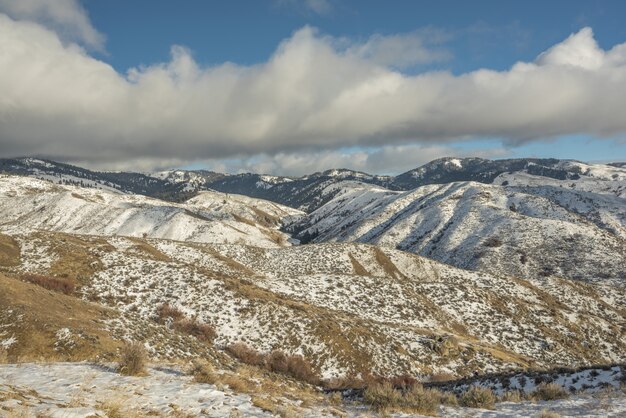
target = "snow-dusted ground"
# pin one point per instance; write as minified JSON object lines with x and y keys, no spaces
{"x":607,"y":406}
{"x":80,"y":390}
{"x":522,"y":229}
{"x":28,"y":204}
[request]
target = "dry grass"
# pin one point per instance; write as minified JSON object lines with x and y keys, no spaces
{"x":33,"y":315}
{"x":133,"y":360}
{"x":478,"y":397}
{"x":246,"y":354}
{"x":117,"y":407}
{"x":549,"y":392}
{"x":181,"y":323}
{"x":421,"y":401}
{"x":382,"y":396}
{"x":9,"y":251}
{"x":190,"y":326}
{"x":548,"y":414}
{"x":55,"y":284}
{"x":203,"y":372}
{"x":512,"y":396}
{"x":277,"y":361}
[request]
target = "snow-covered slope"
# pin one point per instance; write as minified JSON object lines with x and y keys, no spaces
{"x":346,"y":307}
{"x":527,"y":231}
{"x":28,"y":204}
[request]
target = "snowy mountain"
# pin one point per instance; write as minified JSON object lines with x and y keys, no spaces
{"x":522,"y":225}
{"x":310,"y":192}
{"x":28,"y":204}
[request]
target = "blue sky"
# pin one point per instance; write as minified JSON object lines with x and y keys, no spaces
{"x":402,"y":47}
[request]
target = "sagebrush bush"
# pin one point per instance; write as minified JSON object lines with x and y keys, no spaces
{"x":448,"y":398}
{"x":550,"y":392}
{"x":512,"y":396}
{"x":478,"y":397}
{"x":133,"y":359}
{"x":203,"y":372}
{"x":202,"y":331}
{"x":55,"y":284}
{"x":278,"y":362}
{"x":382,"y":396}
{"x":167,"y":311}
{"x":420,"y":400}
{"x":300,"y":368}
{"x":246,"y":354}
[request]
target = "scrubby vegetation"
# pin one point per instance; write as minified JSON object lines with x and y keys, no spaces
{"x":55,"y":284}
{"x":203,"y":372}
{"x":384,"y":396}
{"x":549,"y":392}
{"x":277,"y":361}
{"x":478,"y":397}
{"x":133,"y":359}
{"x":170,"y":315}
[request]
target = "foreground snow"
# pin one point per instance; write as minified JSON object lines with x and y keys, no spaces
{"x":612,"y":405}
{"x":86,"y":390}
{"x":81,"y":390}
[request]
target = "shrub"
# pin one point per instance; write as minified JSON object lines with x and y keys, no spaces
{"x":301,"y":369}
{"x":167,"y":311}
{"x":448,"y":398}
{"x":478,"y":397}
{"x":420,"y":400}
{"x":55,"y":284}
{"x":203,"y":372}
{"x":246,"y":354}
{"x":278,"y":362}
{"x":382,"y":396}
{"x":512,"y":396}
{"x":133,"y":359}
{"x":550,"y":392}
{"x":202,"y":331}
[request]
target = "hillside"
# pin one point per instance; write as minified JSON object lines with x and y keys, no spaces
{"x":310,"y":192}
{"x":524,"y":226}
{"x":346,"y":307}
{"x":28,"y":204}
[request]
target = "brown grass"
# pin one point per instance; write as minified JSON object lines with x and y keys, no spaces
{"x":167,"y":311}
{"x":478,"y":397}
{"x":203,"y":372}
{"x":33,"y":315}
{"x":549,"y":392}
{"x":382,"y":396}
{"x":512,"y":396}
{"x":246,"y":354}
{"x":203,"y":332}
{"x":9,"y":251}
{"x":548,"y":414}
{"x":55,"y":284}
{"x":277,"y":361}
{"x":133,"y":360}
{"x":181,"y":323}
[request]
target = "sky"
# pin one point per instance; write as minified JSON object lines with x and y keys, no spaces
{"x":296,"y":86}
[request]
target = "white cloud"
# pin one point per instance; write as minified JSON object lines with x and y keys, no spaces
{"x":403,"y":50}
{"x":311,"y":94}
{"x":67,"y":17}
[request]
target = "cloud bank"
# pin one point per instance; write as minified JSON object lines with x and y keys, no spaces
{"x":67,"y":17}
{"x":314,"y":93}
